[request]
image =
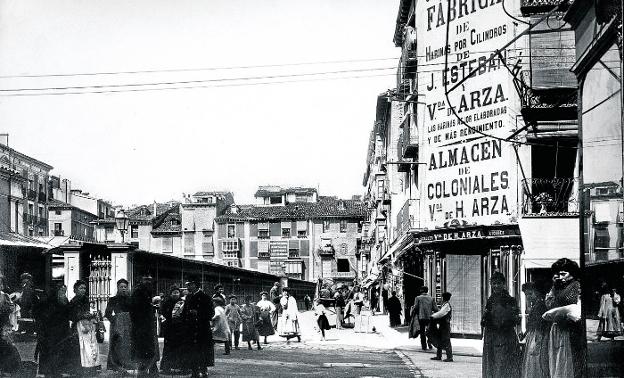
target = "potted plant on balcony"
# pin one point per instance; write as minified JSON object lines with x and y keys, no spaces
{"x":545,"y":201}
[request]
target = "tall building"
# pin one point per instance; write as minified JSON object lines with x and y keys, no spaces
{"x":293,"y":232}
{"x":481,"y":129}
{"x":598,"y":67}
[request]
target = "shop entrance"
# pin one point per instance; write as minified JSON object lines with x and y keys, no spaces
{"x":463,"y":281}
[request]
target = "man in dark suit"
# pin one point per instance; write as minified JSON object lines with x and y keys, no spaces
{"x":420,"y":315}
{"x":196,"y":315}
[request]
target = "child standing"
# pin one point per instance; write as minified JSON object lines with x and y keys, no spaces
{"x":220,"y":327}
{"x":233,"y":315}
{"x":321,"y":320}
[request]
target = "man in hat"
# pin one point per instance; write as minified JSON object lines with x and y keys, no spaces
{"x":219,"y":292}
{"x":442,"y":321}
{"x":420,"y":314}
{"x":196,"y":315}
{"x":501,"y":349}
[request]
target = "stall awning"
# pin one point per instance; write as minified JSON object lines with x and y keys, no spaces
{"x":399,"y":245}
{"x":11,"y":239}
{"x":547,"y":239}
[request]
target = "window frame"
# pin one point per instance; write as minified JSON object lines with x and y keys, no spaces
{"x":227,"y":230}
{"x":343,"y":225}
{"x":326,"y":225}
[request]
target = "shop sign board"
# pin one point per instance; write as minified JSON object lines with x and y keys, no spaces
{"x":468,"y":176}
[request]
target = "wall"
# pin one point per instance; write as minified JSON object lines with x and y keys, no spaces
{"x":337,"y":239}
{"x":65,"y":218}
{"x":85,"y":203}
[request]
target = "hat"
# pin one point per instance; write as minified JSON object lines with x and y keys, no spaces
{"x":218,"y":286}
{"x":233,"y":296}
{"x":192,"y":279}
{"x":566,"y":265}
{"x":498,"y":277}
{"x":264,"y":293}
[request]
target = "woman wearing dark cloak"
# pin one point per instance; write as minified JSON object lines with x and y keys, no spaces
{"x":118,"y":313}
{"x":501,"y":349}
{"x":54,"y":333}
{"x":173,"y":331}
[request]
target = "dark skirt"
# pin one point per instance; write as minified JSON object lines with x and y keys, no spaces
{"x":10,"y":360}
{"x":322,"y":322}
{"x":119,"y":348}
{"x":173,"y":348}
{"x":267,"y":328}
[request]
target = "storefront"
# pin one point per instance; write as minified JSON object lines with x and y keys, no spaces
{"x":461,"y":260}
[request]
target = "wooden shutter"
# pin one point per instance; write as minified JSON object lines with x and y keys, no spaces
{"x":552,"y":54}
{"x":463,"y":281}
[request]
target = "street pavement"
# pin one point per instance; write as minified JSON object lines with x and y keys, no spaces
{"x":346,"y":353}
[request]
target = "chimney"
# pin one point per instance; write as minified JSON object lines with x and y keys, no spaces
{"x":233,"y":209}
{"x":155,"y":206}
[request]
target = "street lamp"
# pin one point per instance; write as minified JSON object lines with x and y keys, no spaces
{"x":121,"y":221}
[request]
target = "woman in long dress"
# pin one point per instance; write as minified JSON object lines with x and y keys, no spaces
{"x":220,"y":327}
{"x":566,"y":343}
{"x":54,"y":333}
{"x":84,"y":349}
{"x":609,"y":316}
{"x":321,"y":320}
{"x":267,"y":309}
{"x":173,"y":331}
{"x":249,"y":315}
{"x":535,"y":359}
{"x":501,"y":349}
{"x":118,"y":313}
{"x":288,"y":326}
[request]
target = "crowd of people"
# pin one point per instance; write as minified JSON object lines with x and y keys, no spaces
{"x":68,"y":332}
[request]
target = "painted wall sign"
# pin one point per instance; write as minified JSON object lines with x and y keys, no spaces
{"x":279,"y":249}
{"x":468,"y":176}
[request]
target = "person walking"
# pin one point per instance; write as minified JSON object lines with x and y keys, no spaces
{"x":54,"y":333}
{"x":374,"y":299}
{"x":289,"y":321}
{"x":233,"y":315}
{"x":307,"y":302}
{"x":196,"y":315}
{"x":501,"y":349}
{"x":221,"y":332}
{"x":145,"y":350}
{"x":219,"y":293}
{"x":83,"y":348}
{"x":118,"y":313}
{"x":340,"y":306}
{"x":442,"y":320}
{"x":251,"y":322}
{"x":173,"y":330}
{"x":566,"y":343}
{"x":535,"y":357}
{"x":420,"y":315}
{"x":275,"y":296}
{"x":267,"y":309}
{"x":321,"y":318}
{"x":609,"y":325}
{"x":394,"y":309}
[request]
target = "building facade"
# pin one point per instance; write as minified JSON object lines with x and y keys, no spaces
{"x":293,"y":232}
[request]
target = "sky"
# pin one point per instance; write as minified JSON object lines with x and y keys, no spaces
{"x":131,"y":145}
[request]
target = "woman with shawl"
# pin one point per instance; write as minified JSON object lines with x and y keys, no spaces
{"x":54,"y":333}
{"x":535,"y":358}
{"x":84,"y":348}
{"x":566,"y":343}
{"x":501,"y":349}
{"x":289,"y":321}
{"x":118,"y":313}
{"x":267,"y":309}
{"x":173,"y":331}
{"x":249,"y":316}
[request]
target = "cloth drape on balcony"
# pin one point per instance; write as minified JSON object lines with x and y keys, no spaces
{"x":547,"y":239}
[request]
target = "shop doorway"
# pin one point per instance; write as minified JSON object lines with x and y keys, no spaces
{"x":463,"y":281}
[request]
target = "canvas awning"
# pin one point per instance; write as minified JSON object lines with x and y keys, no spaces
{"x":11,"y":239}
{"x":547,"y":239}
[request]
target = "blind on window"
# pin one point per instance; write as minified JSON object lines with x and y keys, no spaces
{"x":463,"y":281}
{"x":263,"y":246}
{"x":552,"y":54}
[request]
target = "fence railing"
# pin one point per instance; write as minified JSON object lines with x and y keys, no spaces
{"x":549,"y":196}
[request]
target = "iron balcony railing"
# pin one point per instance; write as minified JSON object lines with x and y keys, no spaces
{"x":408,"y":217}
{"x":549,"y":196}
{"x":59,"y":233}
{"x":31,"y":194}
{"x":327,"y":250}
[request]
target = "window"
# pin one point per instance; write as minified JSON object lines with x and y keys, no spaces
{"x":167,"y":245}
{"x":293,"y":253}
{"x":228,"y":246}
{"x":232,"y":263}
{"x":343,"y":248}
{"x":343,"y":225}
{"x":189,"y":244}
{"x":293,"y":268}
{"x":134,"y":231}
{"x":302,"y":233}
{"x":31,"y":209}
{"x":285,"y":232}
{"x":326,"y":242}
{"x":231,"y":231}
{"x":342,"y":265}
{"x":263,"y":230}
{"x":380,"y":188}
{"x":325,"y":226}
{"x":301,"y":198}
{"x":57,"y":212}
{"x":207,"y":247}
{"x":275,"y":200}
{"x":58,"y":229}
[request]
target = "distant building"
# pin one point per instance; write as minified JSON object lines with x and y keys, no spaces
{"x":69,"y":221}
{"x":293,"y":232}
{"x":61,"y":190}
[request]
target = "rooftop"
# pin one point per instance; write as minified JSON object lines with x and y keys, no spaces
{"x":326,"y":207}
{"x":266,"y":191}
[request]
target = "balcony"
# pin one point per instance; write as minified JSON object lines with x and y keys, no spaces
{"x":409,"y":138}
{"x":264,"y":255}
{"x":538,"y":6}
{"x":42,"y":221}
{"x":347,"y":275}
{"x":293,"y":254}
{"x":549,"y":197}
{"x":31,"y":194}
{"x":42,"y":197}
{"x":30,"y":219}
{"x":230,"y":245}
{"x":327,"y":251}
{"x":59,"y":233}
{"x":386,"y":199}
{"x":408,"y":217}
